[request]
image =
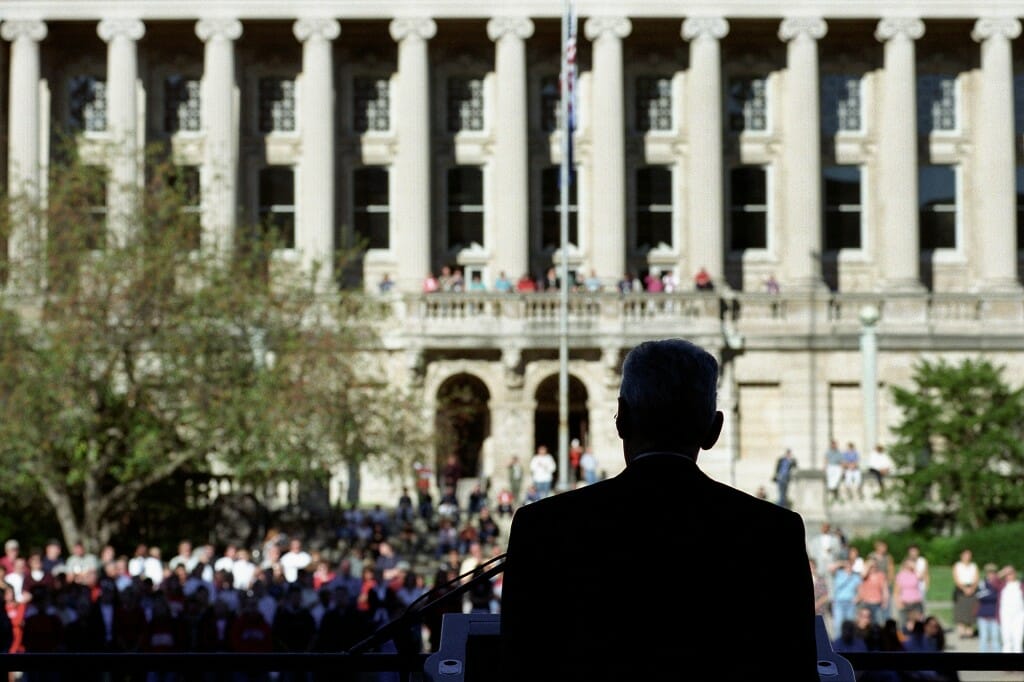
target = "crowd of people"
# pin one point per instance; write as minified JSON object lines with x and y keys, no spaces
{"x":452,"y":279}
{"x":284,"y":596}
{"x":287,"y":594}
{"x":879,"y":603}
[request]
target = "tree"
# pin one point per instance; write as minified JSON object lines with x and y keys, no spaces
{"x":959,"y":451}
{"x":126,"y":357}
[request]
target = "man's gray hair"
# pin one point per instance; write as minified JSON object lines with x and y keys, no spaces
{"x":671,"y":388}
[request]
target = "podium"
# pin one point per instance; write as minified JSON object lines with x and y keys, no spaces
{"x":470,"y":651}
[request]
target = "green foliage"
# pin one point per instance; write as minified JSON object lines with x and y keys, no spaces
{"x":959,"y":453}
{"x":129,"y":355}
{"x":999,"y":544}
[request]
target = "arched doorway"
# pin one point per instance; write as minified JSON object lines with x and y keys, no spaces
{"x":462,"y":422}
{"x":545,"y":419}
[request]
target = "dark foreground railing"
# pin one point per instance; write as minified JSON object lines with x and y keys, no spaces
{"x":213,"y":662}
{"x":412,"y":665}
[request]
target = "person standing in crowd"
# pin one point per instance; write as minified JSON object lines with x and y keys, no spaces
{"x":451,"y":474}
{"x":845,"y":587}
{"x":1011,"y":611}
{"x":667,"y":414}
{"x":887,"y":565}
{"x":784,"y":468}
{"x":542,"y":470}
{"x":575,"y":453}
{"x":987,"y":617}
{"x":515,"y":479}
{"x":921,"y":569}
{"x":906,"y":593}
{"x":833,"y":470}
{"x":965,"y":587}
{"x":873,"y":592}
{"x":588,"y":466}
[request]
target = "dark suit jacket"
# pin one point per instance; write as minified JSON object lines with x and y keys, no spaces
{"x":657,"y":573}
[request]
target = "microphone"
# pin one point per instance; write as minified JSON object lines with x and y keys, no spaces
{"x":412,"y":614}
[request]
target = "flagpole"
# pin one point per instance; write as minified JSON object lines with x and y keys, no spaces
{"x":568,"y":28}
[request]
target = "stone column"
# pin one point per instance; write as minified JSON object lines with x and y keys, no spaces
{"x":121,"y":37}
{"x":314,"y":228}
{"x":996,"y":159}
{"x":801,"y":153}
{"x":220,"y":120}
{"x":410,"y":172}
{"x":705,"y":244}
{"x":607,"y":237}
{"x":510,"y":179}
{"x":898,"y":239}
{"x":23,"y":164}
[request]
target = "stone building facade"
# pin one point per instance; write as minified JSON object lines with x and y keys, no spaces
{"x":859,"y":154}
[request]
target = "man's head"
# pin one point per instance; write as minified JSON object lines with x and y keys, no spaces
{"x":667,"y":399}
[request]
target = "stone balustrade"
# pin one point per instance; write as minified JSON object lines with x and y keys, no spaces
{"x":760,"y":319}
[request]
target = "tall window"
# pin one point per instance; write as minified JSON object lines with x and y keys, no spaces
{"x":1020,"y":208}
{"x":277,"y":105}
{"x":371,"y":211}
{"x":465,"y":206}
{"x":653,"y":207}
{"x":181,"y":104}
{"x":550,"y":103}
{"x":371,"y":103}
{"x":842,"y":207}
{"x":87,"y":103}
{"x":465,"y":104}
{"x":748,"y":208}
{"x":1018,"y":103}
{"x":747,"y":103}
{"x":186,"y":183}
{"x":937,"y":206}
{"x":936,"y":102}
{"x":551,"y":209}
{"x":840,"y":103}
{"x":277,"y":204}
{"x":653,"y":103}
{"x":93,"y":201}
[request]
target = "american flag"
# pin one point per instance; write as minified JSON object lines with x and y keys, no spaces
{"x":569,"y":79}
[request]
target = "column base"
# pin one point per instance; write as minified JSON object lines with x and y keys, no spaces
{"x":902,"y":285}
{"x":1001,"y":285}
{"x":806,"y":285}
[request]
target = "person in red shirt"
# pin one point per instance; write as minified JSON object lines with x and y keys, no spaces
{"x":526,"y":284}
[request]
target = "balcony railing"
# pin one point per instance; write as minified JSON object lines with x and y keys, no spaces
{"x":796,"y":314}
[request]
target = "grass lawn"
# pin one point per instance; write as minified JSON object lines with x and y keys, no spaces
{"x":940,"y":594}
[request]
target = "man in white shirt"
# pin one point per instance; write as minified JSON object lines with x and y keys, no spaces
{"x":542,"y":470}
{"x":294,"y":559}
{"x":880,"y":465}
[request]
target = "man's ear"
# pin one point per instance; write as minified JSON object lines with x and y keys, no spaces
{"x":714,"y":430}
{"x":623,"y":420}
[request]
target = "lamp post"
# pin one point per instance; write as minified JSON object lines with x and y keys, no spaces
{"x":869,"y":378}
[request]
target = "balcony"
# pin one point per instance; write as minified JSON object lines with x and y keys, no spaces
{"x":820,"y":319}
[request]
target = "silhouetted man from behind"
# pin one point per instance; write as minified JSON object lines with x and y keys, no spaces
{"x":732,"y":598}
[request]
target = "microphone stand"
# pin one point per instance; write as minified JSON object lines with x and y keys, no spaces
{"x":387,"y":631}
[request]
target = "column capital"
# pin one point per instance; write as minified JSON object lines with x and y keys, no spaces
{"x":33,"y":29}
{"x":990,"y":27}
{"x":598,"y":27}
{"x":517,"y":27}
{"x":794,"y":28}
{"x":319,"y":28}
{"x":891,"y":27}
{"x":218,"y":29}
{"x":111,"y":29}
{"x":698,"y":28}
{"x":424,"y":28}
